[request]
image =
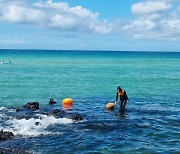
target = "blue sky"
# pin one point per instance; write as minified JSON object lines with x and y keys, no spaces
{"x":122,"y":25}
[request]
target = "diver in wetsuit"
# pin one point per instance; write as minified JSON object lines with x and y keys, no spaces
{"x":123,"y":97}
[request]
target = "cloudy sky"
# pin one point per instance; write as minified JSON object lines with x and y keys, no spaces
{"x":125,"y":25}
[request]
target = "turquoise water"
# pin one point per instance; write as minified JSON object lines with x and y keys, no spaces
{"x":151,"y":80}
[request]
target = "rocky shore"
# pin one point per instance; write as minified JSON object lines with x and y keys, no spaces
{"x":28,"y":111}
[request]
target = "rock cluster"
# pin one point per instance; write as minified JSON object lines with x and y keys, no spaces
{"x":32,"y":105}
{"x":29,"y":111}
{"x":5,"y":135}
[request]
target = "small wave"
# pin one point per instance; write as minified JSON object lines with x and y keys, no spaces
{"x":2,"y":108}
{"x":34,"y":127}
{"x":7,"y":109}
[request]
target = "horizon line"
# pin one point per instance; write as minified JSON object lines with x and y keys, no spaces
{"x":91,"y":50}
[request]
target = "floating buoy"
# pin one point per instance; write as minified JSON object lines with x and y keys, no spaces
{"x":110,"y":105}
{"x":67,"y":106}
{"x":67,"y":103}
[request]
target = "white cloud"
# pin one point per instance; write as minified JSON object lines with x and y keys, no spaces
{"x":64,"y":8}
{"x":167,"y":0}
{"x":53,"y":15}
{"x":15,"y":13}
{"x":150,"y":7}
{"x":171,"y":24}
{"x":157,"y":19}
{"x":141,"y":24}
{"x":154,"y":19}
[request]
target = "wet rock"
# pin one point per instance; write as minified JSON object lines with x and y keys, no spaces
{"x":51,"y":101}
{"x":5,"y":135}
{"x":58,"y":113}
{"x":76,"y":117}
{"x":18,"y":109}
{"x":14,"y":150}
{"x":37,"y":123}
{"x":32,"y":105}
{"x":63,"y":114}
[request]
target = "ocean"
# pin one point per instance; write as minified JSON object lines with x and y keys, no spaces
{"x":149,"y":124}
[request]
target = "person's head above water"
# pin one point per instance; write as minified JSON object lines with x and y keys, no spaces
{"x":119,"y":88}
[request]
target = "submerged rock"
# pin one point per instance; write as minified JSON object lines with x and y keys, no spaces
{"x":58,"y":113}
{"x":63,"y":114}
{"x":76,"y":117}
{"x":37,"y":123}
{"x":14,"y":150}
{"x":32,"y":105}
{"x":5,"y":135}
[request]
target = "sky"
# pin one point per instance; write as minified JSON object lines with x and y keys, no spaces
{"x":115,"y":25}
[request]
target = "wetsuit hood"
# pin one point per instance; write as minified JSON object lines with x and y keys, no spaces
{"x":119,"y":88}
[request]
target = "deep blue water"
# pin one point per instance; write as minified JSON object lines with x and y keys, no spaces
{"x":150,"y":123}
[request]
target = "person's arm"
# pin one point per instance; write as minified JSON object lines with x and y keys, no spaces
{"x":126,"y":95}
{"x":116,"y":97}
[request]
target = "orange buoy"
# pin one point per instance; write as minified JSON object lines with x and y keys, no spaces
{"x":68,"y":101}
{"x":67,"y":106}
{"x":110,"y":105}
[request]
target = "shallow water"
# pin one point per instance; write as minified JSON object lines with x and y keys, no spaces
{"x":150,"y":123}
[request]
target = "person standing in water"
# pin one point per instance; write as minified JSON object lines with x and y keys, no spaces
{"x":123,"y":97}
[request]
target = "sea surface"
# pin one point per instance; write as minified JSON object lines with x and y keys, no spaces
{"x":150,"y":123}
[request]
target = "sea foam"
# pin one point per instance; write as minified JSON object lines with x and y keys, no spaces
{"x":29,"y":128}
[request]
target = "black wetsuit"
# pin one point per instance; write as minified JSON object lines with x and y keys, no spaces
{"x":123,"y":98}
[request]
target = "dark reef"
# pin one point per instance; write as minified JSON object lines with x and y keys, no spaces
{"x":5,"y":135}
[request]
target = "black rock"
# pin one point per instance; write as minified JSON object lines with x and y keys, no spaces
{"x":14,"y":150}
{"x":37,"y":123}
{"x":18,"y":109}
{"x":32,"y":105}
{"x":5,"y":135}
{"x":58,"y":113}
{"x":76,"y":117}
{"x":1,"y":151}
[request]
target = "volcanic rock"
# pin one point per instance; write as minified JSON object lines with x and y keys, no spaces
{"x":32,"y":105}
{"x":76,"y":117}
{"x":5,"y":135}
